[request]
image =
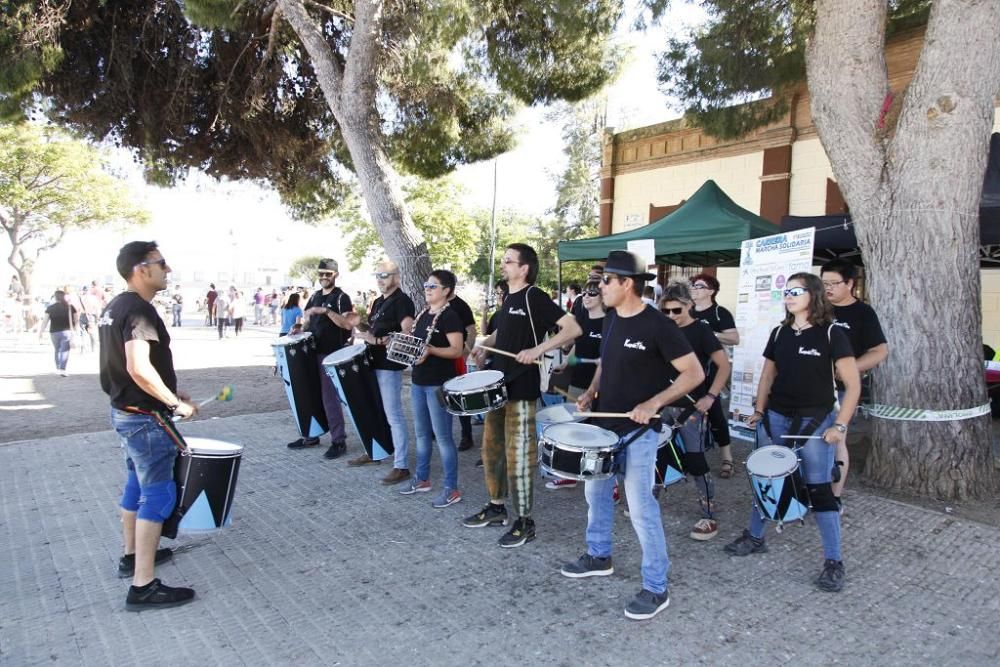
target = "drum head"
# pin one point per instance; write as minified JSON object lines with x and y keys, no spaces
{"x":583,"y":436}
{"x":344,"y":354}
{"x":292,"y":339}
{"x":473,"y":381}
{"x":557,"y":414}
{"x":208,"y":447}
{"x":772,"y":461}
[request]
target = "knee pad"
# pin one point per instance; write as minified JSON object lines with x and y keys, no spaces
{"x":131,"y":492}
{"x":157,"y":501}
{"x":822,"y":498}
{"x":695,"y":463}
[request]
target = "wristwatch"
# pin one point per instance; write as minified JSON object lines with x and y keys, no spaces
{"x":840,"y":427}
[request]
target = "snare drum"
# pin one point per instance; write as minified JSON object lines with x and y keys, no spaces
{"x":350,"y":368}
{"x":404,"y":349}
{"x":778,"y":491}
{"x":475,"y":393}
{"x":295,"y":356}
{"x":562,"y":413}
{"x":206,"y":483}
{"x":577,"y":451}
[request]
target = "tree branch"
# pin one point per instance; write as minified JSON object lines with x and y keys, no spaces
{"x":331,"y":11}
{"x":360,"y":81}
{"x":845,"y":66}
{"x":328,"y":70}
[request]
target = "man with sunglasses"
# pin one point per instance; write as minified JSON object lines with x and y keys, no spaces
{"x":510,"y":453}
{"x":641,"y":350}
{"x":137,"y":372}
{"x":390,"y":313}
{"x":326,"y":314}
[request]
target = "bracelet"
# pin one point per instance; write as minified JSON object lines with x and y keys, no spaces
{"x":757,"y":412}
{"x":715,"y":397}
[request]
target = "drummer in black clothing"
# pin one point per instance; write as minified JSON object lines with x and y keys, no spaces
{"x":860,"y":323}
{"x":640,"y":351}
{"x":464,"y":311}
{"x":329,"y":315}
{"x":676,"y":304}
{"x":704,"y":288}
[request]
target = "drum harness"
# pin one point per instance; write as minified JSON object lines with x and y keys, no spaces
{"x":166,"y":424}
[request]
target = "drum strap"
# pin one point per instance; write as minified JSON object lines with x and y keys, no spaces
{"x":165,"y":423}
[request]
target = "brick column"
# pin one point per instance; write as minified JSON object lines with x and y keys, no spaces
{"x":775,"y":181}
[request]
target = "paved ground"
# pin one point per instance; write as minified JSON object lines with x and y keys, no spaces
{"x":324,"y":567}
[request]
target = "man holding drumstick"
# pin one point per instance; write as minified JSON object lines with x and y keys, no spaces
{"x":137,"y":372}
{"x":641,"y":351}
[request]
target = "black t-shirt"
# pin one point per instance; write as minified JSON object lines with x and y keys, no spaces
{"x":704,"y":343}
{"x":805,"y":367}
{"x":715,"y":316}
{"x":636,"y":362}
{"x":465,"y":315}
{"x":329,"y":337}
{"x":385,"y":317}
{"x":130,"y":317}
{"x":60,"y":316}
{"x":514,"y":334}
{"x":861,"y":325}
{"x":587,"y":346}
{"x":435,"y":370}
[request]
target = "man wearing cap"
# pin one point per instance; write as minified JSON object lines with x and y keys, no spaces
{"x":325,"y":315}
{"x":646,"y":364}
{"x":391,"y":312}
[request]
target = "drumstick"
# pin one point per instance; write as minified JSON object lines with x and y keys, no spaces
{"x":225,"y":394}
{"x":802,"y":437}
{"x":623,"y":415}
{"x":506,"y":353}
{"x":563,"y":392}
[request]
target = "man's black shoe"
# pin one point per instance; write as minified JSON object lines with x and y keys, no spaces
{"x":337,"y":449}
{"x":126,"y":564}
{"x":465,"y":444}
{"x":156,"y":595}
{"x":522,"y":532}
{"x":302,"y":443}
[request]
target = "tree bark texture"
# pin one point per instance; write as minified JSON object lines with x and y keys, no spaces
{"x":350,"y":92}
{"x":914,"y":192}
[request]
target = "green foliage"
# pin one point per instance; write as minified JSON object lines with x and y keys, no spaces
{"x":50,"y":183}
{"x":747,"y":51}
{"x":436,"y":207}
{"x":304,"y":269}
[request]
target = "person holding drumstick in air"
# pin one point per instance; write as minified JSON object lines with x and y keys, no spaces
{"x":796,"y":397}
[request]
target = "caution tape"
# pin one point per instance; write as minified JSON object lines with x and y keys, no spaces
{"x":918,"y":415}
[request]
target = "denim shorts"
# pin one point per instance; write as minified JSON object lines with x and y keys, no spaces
{"x":150,"y":449}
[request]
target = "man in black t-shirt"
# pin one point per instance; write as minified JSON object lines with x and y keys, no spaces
{"x":328,"y":316}
{"x":863,"y":329}
{"x":137,"y":372}
{"x":640,"y":351}
{"x":464,"y":312}
{"x":509,"y":446}
{"x":390,"y":313}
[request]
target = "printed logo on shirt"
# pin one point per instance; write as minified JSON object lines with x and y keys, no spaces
{"x":517,"y":311}
{"x":809,"y":352}
{"x":594,"y":334}
{"x":637,"y":345}
{"x":843,"y":325}
{"x":105,"y":320}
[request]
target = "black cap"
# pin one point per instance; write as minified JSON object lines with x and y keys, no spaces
{"x":328,"y":264}
{"x":625,"y":263}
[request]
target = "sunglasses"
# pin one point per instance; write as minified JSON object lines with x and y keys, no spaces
{"x":592,"y":293}
{"x":699,"y":286}
{"x":795,"y":291}
{"x":325,"y":274}
{"x":382,"y":275}
{"x":161,"y":262}
{"x":606,"y":278}
{"x":431,"y":286}
{"x":672,"y":311}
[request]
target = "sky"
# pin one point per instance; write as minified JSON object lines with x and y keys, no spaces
{"x":211,"y":230}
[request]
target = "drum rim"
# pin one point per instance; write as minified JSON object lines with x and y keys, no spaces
{"x":360,"y":347}
{"x":472,"y":390}
{"x":194,"y":451}
{"x":577,"y":478}
{"x":785,"y":473}
{"x":580,"y":447}
{"x":291,"y":339}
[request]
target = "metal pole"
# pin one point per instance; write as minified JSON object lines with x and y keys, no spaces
{"x":493,"y":240}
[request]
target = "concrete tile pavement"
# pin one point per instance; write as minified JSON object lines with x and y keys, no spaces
{"x":323,"y":566}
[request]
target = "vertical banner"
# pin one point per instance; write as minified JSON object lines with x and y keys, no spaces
{"x":765,"y":264}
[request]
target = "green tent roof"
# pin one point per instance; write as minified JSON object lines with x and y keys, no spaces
{"x":706,"y":230}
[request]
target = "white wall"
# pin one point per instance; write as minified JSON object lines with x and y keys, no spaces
{"x":810,"y":169}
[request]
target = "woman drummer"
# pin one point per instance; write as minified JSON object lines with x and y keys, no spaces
{"x":676,"y":304}
{"x":441,"y":327}
{"x":796,"y":397}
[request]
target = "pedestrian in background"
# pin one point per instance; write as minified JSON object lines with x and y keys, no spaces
{"x":62,"y":320}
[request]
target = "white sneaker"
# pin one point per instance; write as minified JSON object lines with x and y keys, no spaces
{"x":561,"y":484}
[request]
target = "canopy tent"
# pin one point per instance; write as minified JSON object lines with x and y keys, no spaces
{"x":706,"y":230}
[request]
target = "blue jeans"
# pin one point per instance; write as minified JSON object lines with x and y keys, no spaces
{"x":427,"y":415}
{"x":816,"y":467}
{"x":60,"y":341}
{"x":644,"y":511}
{"x":149,"y":460}
{"x":390,"y":386}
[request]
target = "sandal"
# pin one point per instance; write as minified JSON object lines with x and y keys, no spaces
{"x":726,"y":470}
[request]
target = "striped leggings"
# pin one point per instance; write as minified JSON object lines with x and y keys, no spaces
{"x":510,"y":454}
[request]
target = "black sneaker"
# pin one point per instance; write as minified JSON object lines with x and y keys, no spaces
{"x":522,"y":532}
{"x":490,"y":515}
{"x":302,"y":443}
{"x":647,"y":604}
{"x":479,"y":463}
{"x":465,"y":444}
{"x":156,"y":595}
{"x":588,"y":566}
{"x":336,"y":450}
{"x":126,"y":564}
{"x":831,"y":579}
{"x":745,"y":545}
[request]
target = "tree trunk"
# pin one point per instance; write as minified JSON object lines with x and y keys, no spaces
{"x":914,"y":198}
{"x":350,"y":93}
